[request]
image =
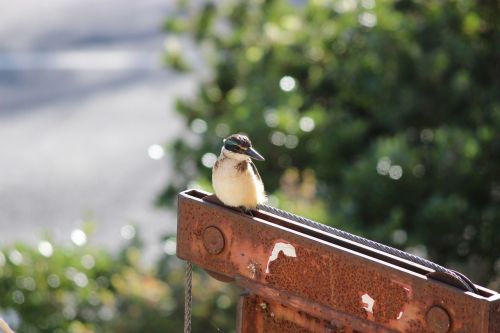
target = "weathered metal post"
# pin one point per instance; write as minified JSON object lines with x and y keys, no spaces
{"x":299,"y":279}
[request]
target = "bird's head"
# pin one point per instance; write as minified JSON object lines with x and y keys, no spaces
{"x":239,"y":147}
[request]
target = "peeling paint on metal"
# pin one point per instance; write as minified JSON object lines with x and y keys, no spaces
{"x":287,"y":249}
{"x":368,"y":302}
{"x":252,"y":267}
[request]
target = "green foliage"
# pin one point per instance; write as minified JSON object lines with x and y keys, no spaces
{"x":83,"y":289}
{"x":384,"y":115}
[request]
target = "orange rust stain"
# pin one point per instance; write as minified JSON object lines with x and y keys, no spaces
{"x":306,"y":275}
{"x":351,"y":280}
{"x":272,"y":317}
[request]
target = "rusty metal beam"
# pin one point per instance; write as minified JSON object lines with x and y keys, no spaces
{"x":328,"y":280}
{"x":330,"y":318}
{"x":261,"y":315}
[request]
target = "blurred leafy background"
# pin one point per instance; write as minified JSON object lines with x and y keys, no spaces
{"x":378,"y":117}
{"x":81,"y":289}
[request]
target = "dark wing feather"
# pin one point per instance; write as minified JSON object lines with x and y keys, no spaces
{"x":254,"y":168}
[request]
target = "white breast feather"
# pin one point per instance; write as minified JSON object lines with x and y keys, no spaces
{"x":235,"y":188}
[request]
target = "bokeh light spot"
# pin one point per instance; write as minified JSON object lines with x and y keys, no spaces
{"x":208,"y":160}
{"x":169,"y":246}
{"x":306,"y":124}
{"x":18,"y":297}
{"x":278,"y":138}
{"x":368,"y":4}
{"x":78,"y":237}
{"x":271,"y":118}
{"x":199,"y":126}
{"x":16,"y":257}
{"x":156,"y":152}
{"x":368,"y":20}
{"x":418,"y":250}
{"x":27,"y":283}
{"x":383,"y":165}
{"x":106,"y":313}
{"x":222,"y":130}
{"x":88,"y":261}
{"x":70,"y":272}
{"x":128,"y":232}
{"x":45,"y":248}
{"x":69,"y":311}
{"x":426,"y":135}
{"x":287,"y":83}
{"x":343,"y":6}
{"x":223,"y":302}
{"x":395,"y":172}
{"x":399,"y":236}
{"x":236,"y":95}
{"x":53,"y":281}
{"x":291,"y":141}
{"x":81,"y":279}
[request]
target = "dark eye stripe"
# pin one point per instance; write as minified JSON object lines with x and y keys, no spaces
{"x":230,"y":143}
{"x":237,"y":143}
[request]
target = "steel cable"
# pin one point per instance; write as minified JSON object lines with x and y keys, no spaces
{"x":188,"y":297}
{"x":367,"y":242}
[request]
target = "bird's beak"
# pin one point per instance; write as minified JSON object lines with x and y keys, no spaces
{"x":254,"y":154}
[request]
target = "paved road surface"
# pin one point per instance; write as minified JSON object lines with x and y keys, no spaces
{"x":82,"y":98}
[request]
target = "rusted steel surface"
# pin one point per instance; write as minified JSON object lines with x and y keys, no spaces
{"x":213,"y":240}
{"x":330,"y":317}
{"x":257,"y":314}
{"x":331,"y":283}
{"x":494,"y":313}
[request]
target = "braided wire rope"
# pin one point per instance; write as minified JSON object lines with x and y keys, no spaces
{"x":372,"y":244}
{"x":188,"y":296}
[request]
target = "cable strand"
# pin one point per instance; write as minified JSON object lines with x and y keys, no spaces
{"x":188,"y":297}
{"x":364,"y":241}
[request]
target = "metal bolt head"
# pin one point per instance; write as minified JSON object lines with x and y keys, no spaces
{"x":213,"y":240}
{"x":438,"y":320}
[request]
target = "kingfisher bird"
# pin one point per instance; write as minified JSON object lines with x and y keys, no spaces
{"x":235,"y":178}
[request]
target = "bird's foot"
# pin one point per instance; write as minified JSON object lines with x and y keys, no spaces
{"x":245,"y":210}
